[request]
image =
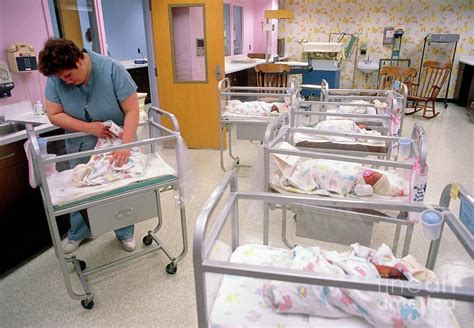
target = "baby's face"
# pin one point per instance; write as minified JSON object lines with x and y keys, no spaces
{"x":371,"y":177}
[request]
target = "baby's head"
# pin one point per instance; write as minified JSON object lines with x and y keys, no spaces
{"x":379,"y":181}
{"x":371,"y":177}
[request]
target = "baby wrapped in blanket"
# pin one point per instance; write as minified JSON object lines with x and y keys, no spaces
{"x":297,"y":174}
{"x":256,"y":108}
{"x":378,"y":309}
{"x":342,"y":126}
{"x":100,"y":171}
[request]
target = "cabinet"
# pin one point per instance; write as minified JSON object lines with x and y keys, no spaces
{"x":464,"y":90}
{"x":23,"y":222}
{"x":243,"y":78}
{"x":140,"y":76}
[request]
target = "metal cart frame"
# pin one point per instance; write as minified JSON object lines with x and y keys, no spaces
{"x":52,"y":212}
{"x":250,"y":128}
{"x":278,"y":132}
{"x":205,"y":237}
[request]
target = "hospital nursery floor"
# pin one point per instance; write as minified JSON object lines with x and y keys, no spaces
{"x":140,"y":293}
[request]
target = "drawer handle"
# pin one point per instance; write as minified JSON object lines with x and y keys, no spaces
{"x":124,"y":212}
{"x":7,"y":156}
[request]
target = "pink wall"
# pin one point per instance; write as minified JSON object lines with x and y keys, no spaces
{"x":25,"y":21}
{"x":248,"y":23}
{"x":259,"y":35}
{"x":253,"y":14}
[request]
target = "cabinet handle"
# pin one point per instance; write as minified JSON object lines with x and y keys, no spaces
{"x":124,"y":212}
{"x":7,"y":156}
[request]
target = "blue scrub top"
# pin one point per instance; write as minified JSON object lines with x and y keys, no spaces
{"x":109,"y":84}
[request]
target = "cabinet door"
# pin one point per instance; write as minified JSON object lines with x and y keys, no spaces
{"x":140,"y":76}
{"x":22,"y":215}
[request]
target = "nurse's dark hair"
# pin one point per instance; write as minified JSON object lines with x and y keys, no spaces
{"x":58,"y":55}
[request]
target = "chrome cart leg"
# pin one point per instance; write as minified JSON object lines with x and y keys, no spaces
{"x":266,"y":219}
{"x":80,"y":266}
{"x":283,"y":228}
{"x":433,"y":251}
{"x":396,"y":239}
{"x":408,"y":237}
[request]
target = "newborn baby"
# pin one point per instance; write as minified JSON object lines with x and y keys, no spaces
{"x":256,"y":108}
{"x":308,"y":175}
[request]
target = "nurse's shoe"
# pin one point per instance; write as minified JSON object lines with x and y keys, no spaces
{"x":129,"y":244}
{"x":70,"y":246}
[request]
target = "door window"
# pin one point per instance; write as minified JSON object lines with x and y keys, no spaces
{"x":237,"y":22}
{"x":188,"y":43}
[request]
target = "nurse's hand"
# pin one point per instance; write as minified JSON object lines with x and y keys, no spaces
{"x":99,"y":130}
{"x":120,"y":157}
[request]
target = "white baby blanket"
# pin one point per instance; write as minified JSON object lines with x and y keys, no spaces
{"x":99,"y":170}
{"x":298,"y":174}
{"x":63,"y":191}
{"x":256,"y":108}
{"x":343,"y":126}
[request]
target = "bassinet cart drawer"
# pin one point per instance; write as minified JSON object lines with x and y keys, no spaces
{"x":251,"y":131}
{"x":343,"y":228}
{"x":121,"y":213}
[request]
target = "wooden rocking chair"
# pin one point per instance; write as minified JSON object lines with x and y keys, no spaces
{"x":433,"y":76}
{"x":390,"y":74}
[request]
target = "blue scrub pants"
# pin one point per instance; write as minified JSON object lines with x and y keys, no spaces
{"x":79,"y":229}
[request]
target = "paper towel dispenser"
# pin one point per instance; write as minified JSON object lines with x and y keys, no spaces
{"x":6,"y":82}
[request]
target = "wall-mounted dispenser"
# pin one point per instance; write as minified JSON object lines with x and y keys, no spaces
{"x":6,"y":82}
{"x":21,"y":57}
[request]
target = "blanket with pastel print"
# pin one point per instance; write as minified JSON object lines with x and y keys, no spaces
{"x":100,"y":171}
{"x":379,"y":309}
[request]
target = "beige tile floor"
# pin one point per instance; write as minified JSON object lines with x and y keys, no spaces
{"x":140,"y":292}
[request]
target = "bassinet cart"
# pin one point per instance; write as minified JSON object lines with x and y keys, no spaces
{"x":278,"y":132}
{"x":122,"y":203}
{"x":248,"y":127}
{"x":231,"y":289}
{"x":397,"y":99}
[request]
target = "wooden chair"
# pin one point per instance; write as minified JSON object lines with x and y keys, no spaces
{"x":272,"y":75}
{"x":432,"y":79}
{"x":390,"y":74}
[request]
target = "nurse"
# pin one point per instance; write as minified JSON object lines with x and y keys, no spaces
{"x":83,"y":90}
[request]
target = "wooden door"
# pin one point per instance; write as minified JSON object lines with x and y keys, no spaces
{"x":189,"y":48}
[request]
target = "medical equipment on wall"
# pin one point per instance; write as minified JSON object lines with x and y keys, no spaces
{"x":349,"y":40}
{"x":21,"y":57}
{"x":440,"y":38}
{"x":325,"y":60}
{"x":6,"y":82}
{"x":397,"y":43}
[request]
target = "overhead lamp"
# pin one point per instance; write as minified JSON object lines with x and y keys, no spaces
{"x":279,"y":14}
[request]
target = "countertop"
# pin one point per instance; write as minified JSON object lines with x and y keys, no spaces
{"x":467,"y":59}
{"x":23,"y":112}
{"x":239,"y":63}
{"x":130,"y":64}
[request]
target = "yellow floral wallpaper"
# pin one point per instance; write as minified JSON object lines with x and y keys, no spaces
{"x":315,"y":19}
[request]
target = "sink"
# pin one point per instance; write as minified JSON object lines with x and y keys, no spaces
{"x":12,"y":127}
{"x":368,"y":67}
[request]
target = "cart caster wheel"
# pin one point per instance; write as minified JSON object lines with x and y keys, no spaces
{"x":82,"y":265}
{"x":171,"y":268}
{"x":147,"y":240}
{"x":87,"y":304}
